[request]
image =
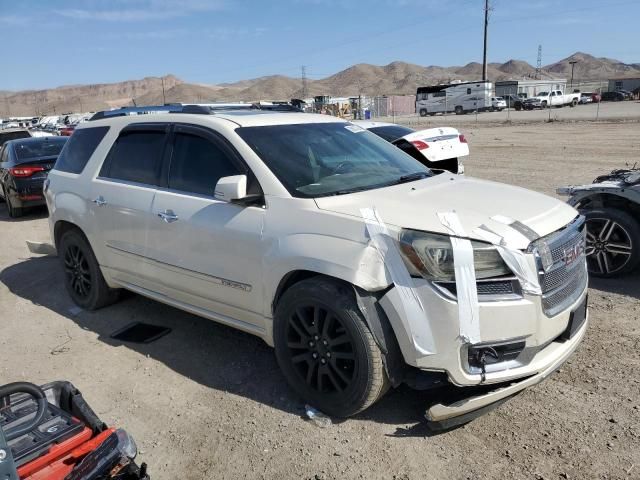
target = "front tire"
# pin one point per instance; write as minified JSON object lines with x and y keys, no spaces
{"x":325,"y":349}
{"x":458,"y":110}
{"x":83,"y":278}
{"x":613,"y":242}
{"x":423,"y":112}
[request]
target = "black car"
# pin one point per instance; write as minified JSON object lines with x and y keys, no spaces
{"x":24,"y":164}
{"x":513,"y":101}
{"x":612,"y":97}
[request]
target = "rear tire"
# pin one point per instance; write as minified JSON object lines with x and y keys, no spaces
{"x":423,"y":112}
{"x":325,"y":349}
{"x":83,"y":278}
{"x":613,"y":242}
{"x":458,"y":110}
{"x":14,"y":212}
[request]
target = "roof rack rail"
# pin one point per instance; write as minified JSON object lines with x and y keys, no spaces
{"x":152,"y":109}
{"x":196,"y":108}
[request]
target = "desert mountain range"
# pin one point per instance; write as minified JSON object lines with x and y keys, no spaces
{"x":394,"y":78}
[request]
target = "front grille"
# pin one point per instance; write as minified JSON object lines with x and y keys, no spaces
{"x":562,"y":283}
{"x":487,"y":290}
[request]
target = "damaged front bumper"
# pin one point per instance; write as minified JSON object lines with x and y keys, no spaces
{"x":446,"y":416}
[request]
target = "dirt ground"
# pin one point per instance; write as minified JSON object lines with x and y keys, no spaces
{"x":209,"y":402}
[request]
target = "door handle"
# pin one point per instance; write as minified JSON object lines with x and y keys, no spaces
{"x":100,"y":201}
{"x":168,"y":216}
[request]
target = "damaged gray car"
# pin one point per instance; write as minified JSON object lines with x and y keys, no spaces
{"x":611,"y":205}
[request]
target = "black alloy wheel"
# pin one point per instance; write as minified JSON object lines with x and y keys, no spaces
{"x":321,"y":349}
{"x":83,"y":278}
{"x":325,"y":348}
{"x":77,"y":271}
{"x":612,"y":243}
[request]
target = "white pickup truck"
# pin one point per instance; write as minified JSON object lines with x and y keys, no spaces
{"x":553,"y":98}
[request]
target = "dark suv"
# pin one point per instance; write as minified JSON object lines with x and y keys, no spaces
{"x":613,"y":97}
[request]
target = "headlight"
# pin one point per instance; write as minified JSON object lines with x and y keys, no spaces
{"x":431,"y":256}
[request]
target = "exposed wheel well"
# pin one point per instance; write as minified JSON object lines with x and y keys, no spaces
{"x":600,"y":200}
{"x":61,"y":228}
{"x":291,"y":279}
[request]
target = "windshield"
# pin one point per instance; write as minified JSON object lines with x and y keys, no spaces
{"x":543,"y":94}
{"x":320,"y":159}
{"x":391,"y":132}
{"x":46,"y":147}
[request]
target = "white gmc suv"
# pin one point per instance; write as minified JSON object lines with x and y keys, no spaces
{"x":359,"y":265}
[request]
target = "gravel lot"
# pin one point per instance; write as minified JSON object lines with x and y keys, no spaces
{"x":209,"y":402}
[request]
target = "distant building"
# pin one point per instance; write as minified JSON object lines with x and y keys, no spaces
{"x":629,"y":84}
{"x":529,"y":88}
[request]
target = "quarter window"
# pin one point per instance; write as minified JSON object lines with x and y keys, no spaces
{"x":79,"y":148}
{"x":197,"y":165}
{"x":136,"y":157}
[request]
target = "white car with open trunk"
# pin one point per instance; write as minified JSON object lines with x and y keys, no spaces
{"x":362,"y":267}
{"x":441,"y":148}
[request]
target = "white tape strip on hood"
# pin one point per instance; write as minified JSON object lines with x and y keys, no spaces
{"x":466,"y":289}
{"x":515,"y":260}
{"x":414,"y":317}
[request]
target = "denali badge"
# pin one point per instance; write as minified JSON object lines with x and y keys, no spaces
{"x":570,"y":255}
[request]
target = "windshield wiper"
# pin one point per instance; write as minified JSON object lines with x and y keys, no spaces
{"x":411,"y":177}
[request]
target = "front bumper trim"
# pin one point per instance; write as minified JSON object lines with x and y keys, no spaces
{"x":462,"y":408}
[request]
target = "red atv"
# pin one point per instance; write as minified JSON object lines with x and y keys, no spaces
{"x":51,"y":433}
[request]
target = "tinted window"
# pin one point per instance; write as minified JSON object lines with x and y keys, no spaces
{"x":391,"y":132}
{"x":42,"y":147}
{"x":6,"y":136}
{"x":197,"y":165}
{"x":136,"y":157}
{"x":79,"y":148}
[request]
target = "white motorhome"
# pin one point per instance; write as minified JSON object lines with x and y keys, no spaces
{"x":459,"y":98}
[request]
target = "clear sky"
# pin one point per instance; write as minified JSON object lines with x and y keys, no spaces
{"x":52,"y":43}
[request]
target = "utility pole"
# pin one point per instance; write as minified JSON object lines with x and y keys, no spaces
{"x":539,"y":64}
{"x":573,"y":64}
{"x":303,"y":69}
{"x":164,"y":101}
{"x":484,"y":54}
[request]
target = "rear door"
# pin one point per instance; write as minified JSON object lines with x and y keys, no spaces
{"x":207,"y":253}
{"x":122,"y":196}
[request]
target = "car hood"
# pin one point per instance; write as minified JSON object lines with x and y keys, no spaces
{"x":416,"y":204}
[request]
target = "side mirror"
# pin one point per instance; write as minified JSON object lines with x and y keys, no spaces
{"x":231,"y":188}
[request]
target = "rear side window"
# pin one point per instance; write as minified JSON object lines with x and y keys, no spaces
{"x":78,"y":150}
{"x":391,"y":132}
{"x":136,"y":157}
{"x":197,"y":165}
{"x":6,"y":136}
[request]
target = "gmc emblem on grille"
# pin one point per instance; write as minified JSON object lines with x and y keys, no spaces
{"x":570,"y":255}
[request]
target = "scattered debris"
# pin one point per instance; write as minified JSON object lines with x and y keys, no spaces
{"x":62,"y":348}
{"x":41,"y":248}
{"x":317,"y":417}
